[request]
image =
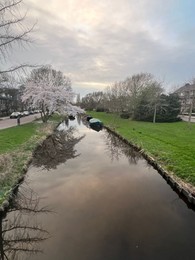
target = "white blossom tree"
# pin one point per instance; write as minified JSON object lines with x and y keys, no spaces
{"x":50,"y":91}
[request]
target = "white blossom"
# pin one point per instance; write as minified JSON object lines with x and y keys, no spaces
{"x":49,"y":91}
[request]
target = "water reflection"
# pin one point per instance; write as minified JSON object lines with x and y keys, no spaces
{"x":20,"y":234}
{"x":96,"y":128}
{"x":57,"y":149}
{"x":79,"y":119}
{"x":66,"y":122}
{"x":71,"y":117}
{"x":110,"y":211}
{"x":116,"y":149}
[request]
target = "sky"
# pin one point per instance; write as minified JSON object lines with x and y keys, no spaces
{"x":97,"y":43}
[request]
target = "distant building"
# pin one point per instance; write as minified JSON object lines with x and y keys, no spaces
{"x":9,"y":101}
{"x":10,"y":94}
{"x":187,"y":97}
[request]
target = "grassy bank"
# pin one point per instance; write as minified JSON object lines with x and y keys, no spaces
{"x":171,"y":144}
{"x":17,"y":146}
{"x":12,"y":138}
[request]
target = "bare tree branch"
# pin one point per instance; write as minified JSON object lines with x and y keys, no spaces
{"x":10,"y":22}
{"x":9,"y":39}
{"x":14,"y":3}
{"x":13,"y":31}
{"x":22,"y":66}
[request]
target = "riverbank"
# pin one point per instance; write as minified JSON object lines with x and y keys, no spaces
{"x":100,"y":193}
{"x":171,"y":145}
{"x":16,"y":151}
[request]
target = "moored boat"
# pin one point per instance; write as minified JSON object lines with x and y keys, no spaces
{"x":71,"y":117}
{"x":95,"y":124}
{"x":88,"y":118}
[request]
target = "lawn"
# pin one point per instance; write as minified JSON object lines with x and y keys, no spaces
{"x":12,"y":138}
{"x":16,"y":148}
{"x":171,"y":144}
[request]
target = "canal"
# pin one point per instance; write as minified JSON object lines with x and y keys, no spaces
{"x":89,"y":196}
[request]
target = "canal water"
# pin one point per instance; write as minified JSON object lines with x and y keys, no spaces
{"x":89,"y":196}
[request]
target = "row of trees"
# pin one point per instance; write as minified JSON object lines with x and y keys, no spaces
{"x":139,"y":97}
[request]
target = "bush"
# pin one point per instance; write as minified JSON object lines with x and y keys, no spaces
{"x":100,"y":109}
{"x":160,"y":119}
{"x":125,"y":115}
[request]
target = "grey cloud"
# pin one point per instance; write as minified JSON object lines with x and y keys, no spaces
{"x":115,"y":50}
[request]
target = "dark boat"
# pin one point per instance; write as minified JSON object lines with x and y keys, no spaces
{"x":95,"y":124}
{"x":88,"y":118}
{"x":71,"y":117}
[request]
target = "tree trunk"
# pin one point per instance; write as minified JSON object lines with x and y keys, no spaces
{"x":154,"y":116}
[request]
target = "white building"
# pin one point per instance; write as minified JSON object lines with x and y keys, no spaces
{"x":187,"y":97}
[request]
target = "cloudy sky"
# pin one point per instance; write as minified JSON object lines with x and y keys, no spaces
{"x":97,"y":42}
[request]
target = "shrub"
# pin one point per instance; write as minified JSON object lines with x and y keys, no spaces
{"x":100,"y":109}
{"x":125,"y":115}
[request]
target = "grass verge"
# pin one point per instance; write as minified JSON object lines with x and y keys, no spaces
{"x":172,"y":145}
{"x":16,"y":149}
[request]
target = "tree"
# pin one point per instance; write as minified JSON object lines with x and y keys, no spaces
{"x":135,"y":86}
{"x":170,"y":108}
{"x":12,"y":31}
{"x":116,"y":97}
{"x":148,"y":102}
{"x":78,"y":100}
{"x":167,"y":109}
{"x":130,"y":97}
{"x":50,"y":91}
{"x":92,"y":100}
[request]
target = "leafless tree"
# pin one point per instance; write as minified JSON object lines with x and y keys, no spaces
{"x":125,"y":96}
{"x":134,"y":86}
{"x":93,"y":100}
{"x":116,"y":97}
{"x":13,"y":32}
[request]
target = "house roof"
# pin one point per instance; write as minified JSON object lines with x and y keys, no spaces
{"x":186,"y":87}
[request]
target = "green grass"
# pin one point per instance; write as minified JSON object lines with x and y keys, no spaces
{"x":12,"y":138}
{"x":16,"y":147}
{"x":171,"y":144}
